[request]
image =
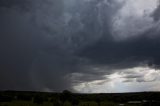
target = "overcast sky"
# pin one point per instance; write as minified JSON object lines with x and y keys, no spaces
{"x":85,"y":46}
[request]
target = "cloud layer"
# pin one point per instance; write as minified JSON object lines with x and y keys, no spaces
{"x":54,"y":45}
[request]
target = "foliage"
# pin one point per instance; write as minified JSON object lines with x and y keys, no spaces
{"x":107,"y":104}
{"x":66,"y":98}
{"x":67,"y":104}
{"x":38,"y":100}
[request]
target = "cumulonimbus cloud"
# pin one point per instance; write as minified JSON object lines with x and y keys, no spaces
{"x":53,"y":40}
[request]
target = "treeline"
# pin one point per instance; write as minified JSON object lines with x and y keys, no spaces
{"x":74,"y":99}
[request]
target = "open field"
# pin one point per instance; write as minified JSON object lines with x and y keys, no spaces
{"x":66,"y":98}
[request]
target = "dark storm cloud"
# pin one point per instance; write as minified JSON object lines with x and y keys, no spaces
{"x":35,"y":48}
{"x":130,"y":52}
{"x":45,"y":47}
{"x":10,"y":3}
{"x":23,"y":5}
{"x":156,"y":13}
{"x":18,"y":45}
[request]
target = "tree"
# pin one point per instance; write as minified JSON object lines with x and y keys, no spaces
{"x":66,"y":96}
{"x":38,"y":100}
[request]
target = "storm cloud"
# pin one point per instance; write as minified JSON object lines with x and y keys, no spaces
{"x":54,"y":45}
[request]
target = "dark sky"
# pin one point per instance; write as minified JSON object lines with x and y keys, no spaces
{"x":52,"y":45}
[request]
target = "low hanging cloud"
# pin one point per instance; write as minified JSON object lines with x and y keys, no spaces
{"x":54,"y":45}
{"x":135,"y":79}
